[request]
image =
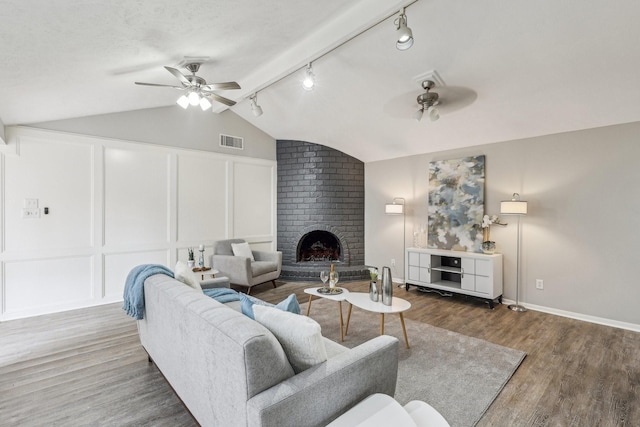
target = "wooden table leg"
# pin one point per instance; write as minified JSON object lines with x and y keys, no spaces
{"x":404,"y":330}
{"x":381,"y":323}
{"x":309,"y":306}
{"x":341,"y":321}
{"x":346,"y":329}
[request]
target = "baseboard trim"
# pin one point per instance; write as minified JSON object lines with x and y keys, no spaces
{"x":579,"y":316}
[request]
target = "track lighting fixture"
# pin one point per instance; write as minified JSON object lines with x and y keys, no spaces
{"x":404,"y":33}
{"x":309,"y":78}
{"x":428,"y":102}
{"x":255,"y":108}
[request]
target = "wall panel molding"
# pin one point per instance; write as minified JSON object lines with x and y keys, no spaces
{"x":143,"y":193}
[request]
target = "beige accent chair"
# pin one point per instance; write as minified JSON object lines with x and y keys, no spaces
{"x":242,"y":271}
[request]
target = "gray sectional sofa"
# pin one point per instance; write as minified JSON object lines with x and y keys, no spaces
{"x":229,"y":370}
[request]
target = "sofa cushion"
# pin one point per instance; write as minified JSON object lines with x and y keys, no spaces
{"x":184,"y":274}
{"x":243,"y":250}
{"x":258,"y":268}
{"x":289,"y":304}
{"x":300,"y":336}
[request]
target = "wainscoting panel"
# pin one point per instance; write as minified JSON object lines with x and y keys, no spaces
{"x":40,"y":285}
{"x":202,"y":197}
{"x":136,"y":196}
{"x":254,"y":192}
{"x":57,"y":175}
{"x":118,"y":266}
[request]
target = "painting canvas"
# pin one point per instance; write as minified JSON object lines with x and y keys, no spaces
{"x":456,"y":204}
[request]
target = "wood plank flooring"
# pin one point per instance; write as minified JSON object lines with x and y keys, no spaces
{"x":86,"y":367}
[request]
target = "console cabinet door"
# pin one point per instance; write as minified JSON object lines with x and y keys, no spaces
{"x":468,"y":282}
{"x":484,"y":285}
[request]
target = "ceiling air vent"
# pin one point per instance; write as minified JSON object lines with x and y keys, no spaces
{"x":232,"y":141}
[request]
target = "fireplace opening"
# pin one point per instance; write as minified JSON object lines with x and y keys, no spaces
{"x":318,"y":246}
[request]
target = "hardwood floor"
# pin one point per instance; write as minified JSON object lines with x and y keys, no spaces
{"x":86,"y":367}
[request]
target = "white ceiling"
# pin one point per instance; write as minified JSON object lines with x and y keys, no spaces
{"x":512,"y":69}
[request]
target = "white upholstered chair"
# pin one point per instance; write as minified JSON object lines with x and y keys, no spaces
{"x":242,"y":270}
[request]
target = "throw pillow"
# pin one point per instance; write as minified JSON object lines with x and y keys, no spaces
{"x":242,"y":249}
{"x":184,"y":274}
{"x":289,"y":304}
{"x":300,"y":336}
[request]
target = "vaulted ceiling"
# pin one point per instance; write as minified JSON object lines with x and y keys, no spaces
{"x":509,"y":69}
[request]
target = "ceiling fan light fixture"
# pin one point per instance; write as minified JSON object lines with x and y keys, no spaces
{"x":309,"y":78}
{"x":183,"y":101}
{"x":194,"y":98}
{"x":205,"y":104}
{"x":418,"y":114}
{"x":255,"y":108}
{"x":403,"y":32}
{"x":433,"y":112}
{"x":428,"y":101}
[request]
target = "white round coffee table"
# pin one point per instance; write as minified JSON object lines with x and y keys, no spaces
{"x":313,"y":292}
{"x":362,"y":300}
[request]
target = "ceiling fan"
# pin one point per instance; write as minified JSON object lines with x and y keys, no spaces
{"x":197,"y":91}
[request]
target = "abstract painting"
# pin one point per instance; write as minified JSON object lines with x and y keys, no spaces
{"x":456,"y":204}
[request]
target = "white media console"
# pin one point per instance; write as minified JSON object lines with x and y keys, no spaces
{"x":468,"y":273}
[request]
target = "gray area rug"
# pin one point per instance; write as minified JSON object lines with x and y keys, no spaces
{"x":458,"y":375}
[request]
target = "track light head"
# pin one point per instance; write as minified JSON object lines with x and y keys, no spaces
{"x":255,"y":108}
{"x":309,"y":79}
{"x":403,"y":32}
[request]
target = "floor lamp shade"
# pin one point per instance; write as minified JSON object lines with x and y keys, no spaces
{"x":394,"y":209}
{"x":513,"y":207}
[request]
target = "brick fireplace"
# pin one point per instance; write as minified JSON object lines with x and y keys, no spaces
{"x":320,"y":212}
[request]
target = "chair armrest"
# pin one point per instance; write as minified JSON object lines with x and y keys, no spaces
{"x":320,"y":394}
{"x":237,"y":269}
{"x":267,"y":256}
{"x":216,"y":282}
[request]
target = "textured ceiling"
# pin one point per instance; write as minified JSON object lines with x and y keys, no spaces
{"x":511,"y":69}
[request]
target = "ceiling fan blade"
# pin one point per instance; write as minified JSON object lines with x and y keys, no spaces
{"x":179,"y":75}
{"x":156,"y":84}
{"x":222,"y":86}
{"x":222,"y":99}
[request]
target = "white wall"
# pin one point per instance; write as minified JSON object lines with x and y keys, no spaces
{"x":173,"y":127}
{"x":581,"y":234}
{"x":2,"y":133}
{"x":113,"y":205}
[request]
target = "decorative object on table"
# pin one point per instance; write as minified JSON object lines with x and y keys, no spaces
{"x":456,"y":204}
{"x":330,"y":291}
{"x":489,"y":246}
{"x":374,"y":291}
{"x":420,"y":237}
{"x":333,"y":277}
{"x":398,"y":208}
{"x":324,"y":276}
{"x":191,"y":261}
{"x":201,"y":259}
{"x":197,"y":269}
{"x":518,"y":207}
{"x":387,"y":286}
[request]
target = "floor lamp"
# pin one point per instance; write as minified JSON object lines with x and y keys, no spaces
{"x":517,"y":207}
{"x":397,"y":208}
